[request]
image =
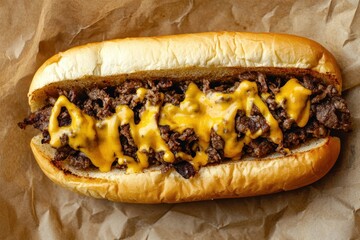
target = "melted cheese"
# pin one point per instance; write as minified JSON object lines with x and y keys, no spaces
{"x":296,"y":101}
{"x":217,"y":111}
{"x":99,"y":140}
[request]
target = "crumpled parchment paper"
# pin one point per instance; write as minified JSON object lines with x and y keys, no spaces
{"x":32,"y":207}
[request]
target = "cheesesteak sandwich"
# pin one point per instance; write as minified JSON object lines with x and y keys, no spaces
{"x":188,"y":117}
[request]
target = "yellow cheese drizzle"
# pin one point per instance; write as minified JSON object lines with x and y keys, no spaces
{"x":99,"y":140}
{"x":296,"y":101}
{"x":218,"y":110}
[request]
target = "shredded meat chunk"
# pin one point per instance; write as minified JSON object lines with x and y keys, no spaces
{"x":328,"y":112}
{"x":185,"y":169}
{"x":216,"y":149}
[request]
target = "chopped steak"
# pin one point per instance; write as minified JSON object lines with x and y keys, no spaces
{"x":255,"y":122}
{"x":180,"y":142}
{"x":262,"y":82}
{"x":274,"y":85}
{"x":99,"y":103}
{"x":328,"y":112}
{"x":79,"y":161}
{"x":260,"y":148}
{"x":154,"y":97}
{"x":127,"y":142}
{"x":334,"y":114}
{"x":46,"y":137}
{"x":39,"y":119}
{"x":129,"y":87}
{"x":63,"y":152}
{"x":316,"y":129}
{"x":216,"y":149}
{"x":185,"y":169}
{"x":64,"y":118}
{"x":294,"y":137}
{"x":154,"y":157}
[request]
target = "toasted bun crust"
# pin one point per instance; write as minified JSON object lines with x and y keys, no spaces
{"x":186,"y":56}
{"x":247,"y":177}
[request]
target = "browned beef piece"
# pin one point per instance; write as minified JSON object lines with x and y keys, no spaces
{"x":216,"y":141}
{"x":260,"y":147}
{"x":255,"y":122}
{"x":170,"y":138}
{"x":75,"y":95}
{"x":174,"y":91}
{"x":64,"y":118}
{"x":294,"y":137}
{"x":38,"y":119}
{"x":63,"y":152}
{"x":164,"y":84}
{"x":216,"y":149}
{"x":261,"y":80}
{"x":224,"y":86}
{"x":323,"y":92}
{"x":309,"y":83}
{"x":285,"y":122}
{"x":138,"y":109}
{"x":76,"y":159}
{"x":123,"y":99}
{"x":99,"y":103}
{"x":316,"y":129}
{"x":154,"y":97}
{"x":185,"y":169}
{"x":334,"y":114}
{"x":180,"y":142}
{"x":274,"y":85}
{"x":154,"y":158}
{"x":127,"y":142}
{"x":214,"y":156}
{"x":79,"y":161}
{"x":173,"y":98}
{"x":129,"y":87}
{"x":270,"y":101}
{"x":46,"y":137}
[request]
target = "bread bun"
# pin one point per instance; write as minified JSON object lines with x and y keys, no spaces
{"x":188,"y":57}
{"x":247,"y":177}
{"x":184,"y":56}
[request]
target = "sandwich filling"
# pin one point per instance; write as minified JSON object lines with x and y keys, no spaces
{"x":187,"y":124}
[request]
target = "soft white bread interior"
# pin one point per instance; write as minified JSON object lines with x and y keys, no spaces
{"x":186,"y":56}
{"x":248,"y":177}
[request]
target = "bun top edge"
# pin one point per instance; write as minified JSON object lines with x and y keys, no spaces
{"x":204,"y":50}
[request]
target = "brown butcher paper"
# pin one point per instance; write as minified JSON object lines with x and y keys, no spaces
{"x":32,"y":207}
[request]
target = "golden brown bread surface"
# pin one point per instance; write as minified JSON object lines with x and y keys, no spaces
{"x":186,"y":56}
{"x":247,"y":177}
{"x":189,"y":56}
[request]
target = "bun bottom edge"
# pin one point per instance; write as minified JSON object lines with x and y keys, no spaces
{"x":244,"y":178}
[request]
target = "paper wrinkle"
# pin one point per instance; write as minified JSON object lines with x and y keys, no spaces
{"x":330,"y":10}
{"x":266,"y":20}
{"x":356,"y":21}
{"x":185,"y":13}
{"x":269,"y":226}
{"x":353,"y":34}
{"x":341,"y":201}
{"x":32,"y":207}
{"x":50,"y":224}
{"x":83,"y":28}
{"x":8,"y":213}
{"x":14,"y":51}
